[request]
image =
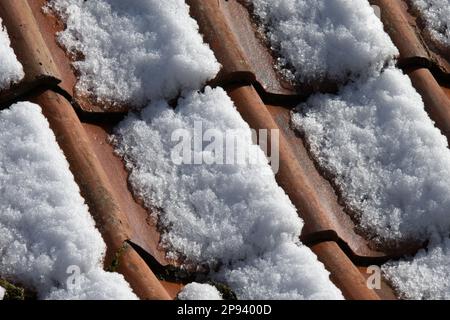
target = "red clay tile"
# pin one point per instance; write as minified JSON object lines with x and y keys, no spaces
{"x":223,"y":41}
{"x":229,"y":28}
{"x":141,"y":278}
{"x":49,"y":25}
{"x":397,"y":24}
{"x":439,"y":50}
{"x":247,"y":63}
{"x":407,"y":36}
{"x":325,"y":219}
{"x":142,"y":229}
{"x":385,"y":292}
{"x":30,"y":48}
{"x":446,"y":89}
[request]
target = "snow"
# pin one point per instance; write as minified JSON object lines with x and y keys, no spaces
{"x":289,"y":272}
{"x":199,"y":291}
{"x":436,"y":14}
{"x":2,"y":293}
{"x":220,"y":214}
{"x":11,"y":70}
{"x":325,"y":40}
{"x":425,"y":276}
{"x":374,"y":139}
{"x":389,"y":161}
{"x":45,"y":226}
{"x":98,"y":285}
{"x":134,"y":51}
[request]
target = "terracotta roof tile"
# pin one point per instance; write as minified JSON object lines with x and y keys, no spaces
{"x":30,"y":48}
{"x":228,"y":28}
{"x":416,"y":48}
{"x":116,"y":222}
{"x":344,"y":273}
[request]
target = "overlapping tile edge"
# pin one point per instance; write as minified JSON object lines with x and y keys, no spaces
{"x":45,"y":225}
{"x":296,"y":289}
{"x":88,"y":173}
{"x":11,"y":70}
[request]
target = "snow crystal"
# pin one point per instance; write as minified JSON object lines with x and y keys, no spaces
{"x":2,"y":293}
{"x":325,"y":40}
{"x":213,"y":212}
{"x":136,"y":50}
{"x":426,"y":276}
{"x":390,"y":162}
{"x":436,"y":14}
{"x":45,"y":226}
{"x":11,"y":70}
{"x":198,"y":291}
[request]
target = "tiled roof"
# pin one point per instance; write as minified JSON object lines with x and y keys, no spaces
{"x":263,"y":98}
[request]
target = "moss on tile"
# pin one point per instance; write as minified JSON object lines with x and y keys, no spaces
{"x":16,"y":292}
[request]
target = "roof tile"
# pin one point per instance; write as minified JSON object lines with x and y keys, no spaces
{"x":264,"y":100}
{"x":30,"y":48}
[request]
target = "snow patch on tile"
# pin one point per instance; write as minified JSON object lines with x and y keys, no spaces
{"x":134,"y":51}
{"x":215,"y":213}
{"x":199,"y":291}
{"x":425,"y":276}
{"x":11,"y":71}
{"x":391,"y":164}
{"x":325,"y":40}
{"x":2,"y":293}
{"x":45,"y":226}
{"x":436,"y":14}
